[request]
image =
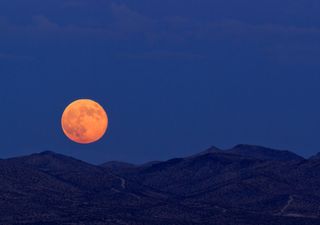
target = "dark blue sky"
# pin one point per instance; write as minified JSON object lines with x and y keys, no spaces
{"x":176,"y":76}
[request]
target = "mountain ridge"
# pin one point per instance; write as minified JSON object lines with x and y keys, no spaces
{"x":213,"y":187}
{"x":263,"y":152}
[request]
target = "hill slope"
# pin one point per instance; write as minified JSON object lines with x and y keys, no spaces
{"x":212,"y":187}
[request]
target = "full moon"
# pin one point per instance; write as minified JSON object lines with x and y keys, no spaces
{"x":84,"y":121}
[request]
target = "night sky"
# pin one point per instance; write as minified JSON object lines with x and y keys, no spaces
{"x":175,"y":76}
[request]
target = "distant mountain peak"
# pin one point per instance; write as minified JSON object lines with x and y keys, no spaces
{"x":45,"y":184}
{"x":252,"y":147}
{"x":263,"y":153}
{"x":210,"y":150}
{"x":213,"y":149}
{"x":52,"y":161}
{"x":46,"y":153}
{"x":247,"y":146}
{"x":253,"y":151}
{"x":315,"y":157}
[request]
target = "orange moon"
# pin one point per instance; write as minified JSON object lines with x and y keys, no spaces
{"x":84,"y":121}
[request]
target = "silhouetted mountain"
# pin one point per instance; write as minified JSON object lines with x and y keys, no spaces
{"x":117,"y":166}
{"x":68,"y":169}
{"x":234,"y":179}
{"x":50,"y":187}
{"x":212,"y":149}
{"x":52,"y":162}
{"x":316,"y":157}
{"x":259,"y":152}
{"x":213,"y":187}
{"x":149,"y":164}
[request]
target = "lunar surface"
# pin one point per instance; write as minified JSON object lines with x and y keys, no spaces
{"x":84,"y":121}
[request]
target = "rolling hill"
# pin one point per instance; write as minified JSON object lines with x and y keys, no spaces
{"x":244,"y":185}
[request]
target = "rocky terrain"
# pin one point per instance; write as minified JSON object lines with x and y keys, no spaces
{"x":244,"y":185}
